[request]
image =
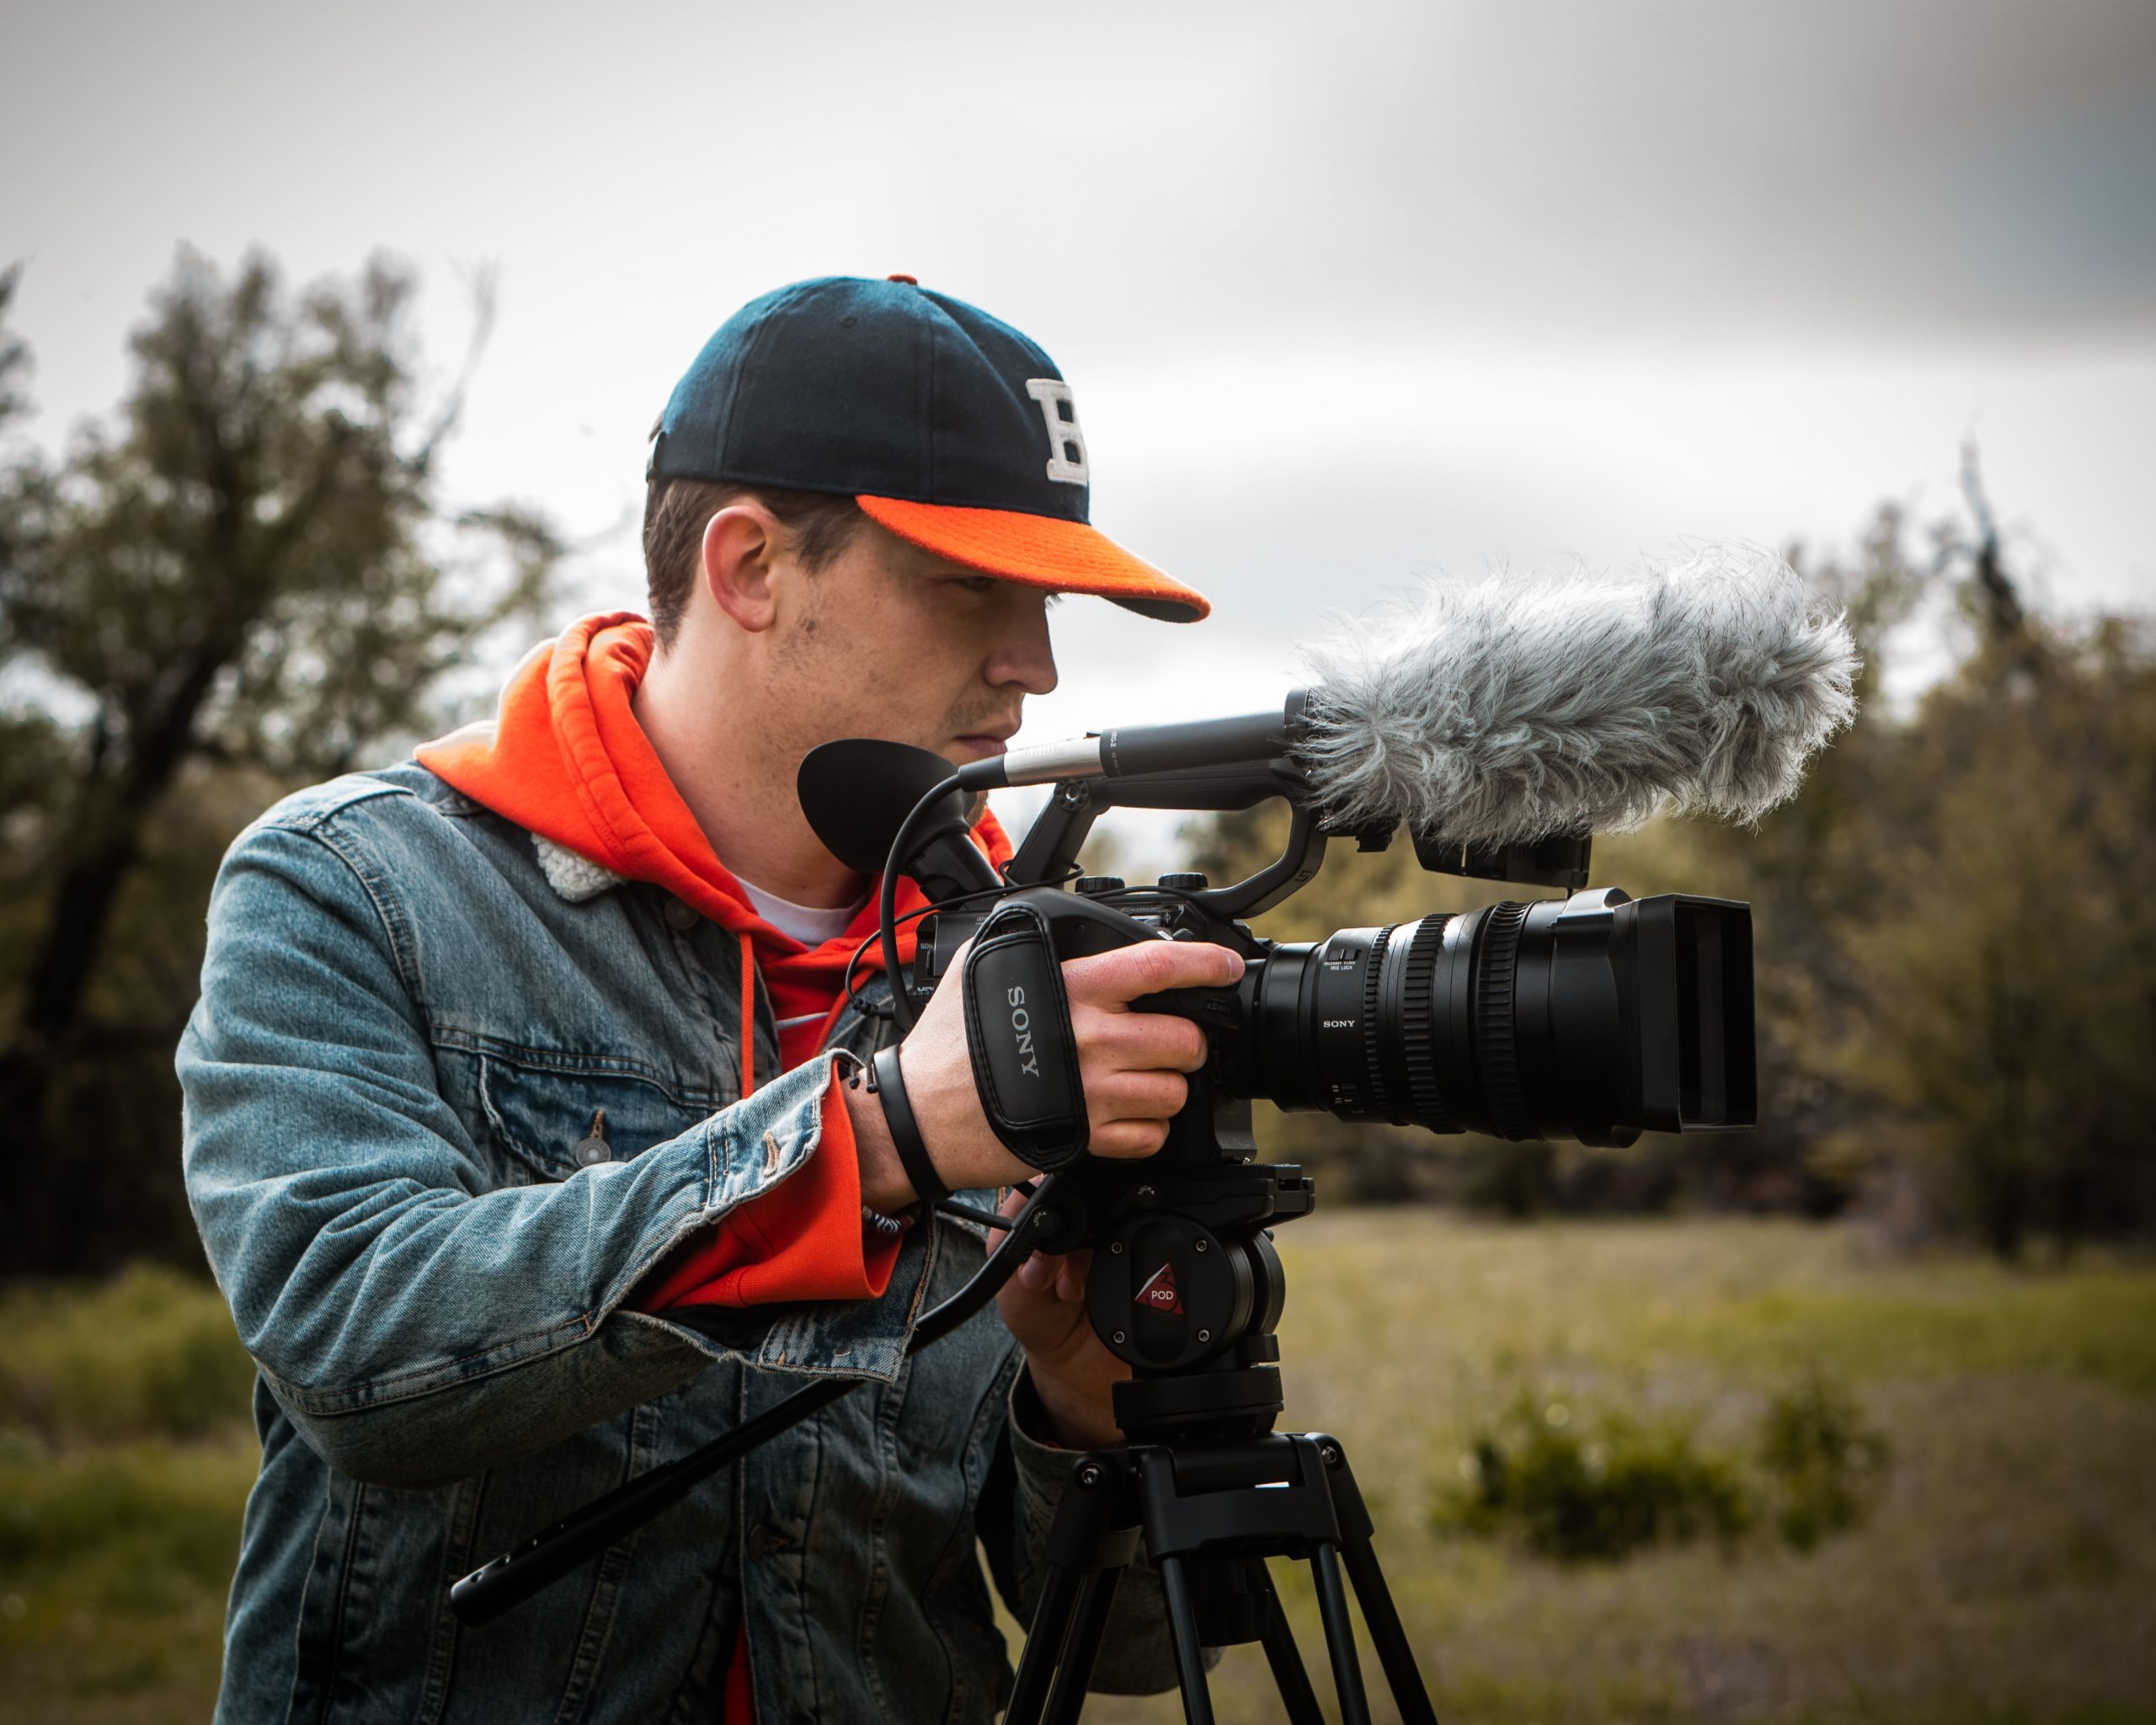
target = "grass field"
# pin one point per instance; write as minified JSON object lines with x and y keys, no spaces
{"x":2007,"y":1572}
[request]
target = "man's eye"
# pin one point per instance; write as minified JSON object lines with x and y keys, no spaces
{"x":977,"y":584}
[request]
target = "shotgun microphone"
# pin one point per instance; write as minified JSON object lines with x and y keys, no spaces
{"x":1512,"y":709}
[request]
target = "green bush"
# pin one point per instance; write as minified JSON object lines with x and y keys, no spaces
{"x":152,"y":1354}
{"x":1826,"y":1463}
{"x":151,"y":1516}
{"x":1576,"y":1496}
{"x":114,"y":1567}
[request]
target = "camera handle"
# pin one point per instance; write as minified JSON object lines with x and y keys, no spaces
{"x":1053,"y":842}
{"x":1043,"y":1225}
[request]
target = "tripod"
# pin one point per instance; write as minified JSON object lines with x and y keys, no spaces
{"x":1210,"y":1516}
{"x":1186,"y":1286}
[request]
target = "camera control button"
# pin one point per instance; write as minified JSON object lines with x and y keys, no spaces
{"x":1093,"y":885}
{"x":1189,"y":881}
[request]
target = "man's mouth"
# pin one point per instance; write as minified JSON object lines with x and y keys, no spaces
{"x":988,"y":739}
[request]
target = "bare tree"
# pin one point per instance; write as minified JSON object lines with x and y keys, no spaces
{"x":252,"y":569}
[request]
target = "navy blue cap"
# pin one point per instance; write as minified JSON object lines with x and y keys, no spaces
{"x":951,"y":429}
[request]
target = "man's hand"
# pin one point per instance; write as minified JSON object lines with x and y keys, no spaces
{"x":1043,"y":1306}
{"x":1131,"y":1065}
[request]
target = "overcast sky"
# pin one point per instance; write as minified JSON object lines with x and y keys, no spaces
{"x":1347,"y":294}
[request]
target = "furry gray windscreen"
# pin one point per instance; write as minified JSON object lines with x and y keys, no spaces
{"x":1515,"y":706}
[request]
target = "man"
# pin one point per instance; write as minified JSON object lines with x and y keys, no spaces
{"x":516,"y":1137}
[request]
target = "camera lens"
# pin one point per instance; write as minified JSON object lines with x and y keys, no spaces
{"x":1591,"y":1018}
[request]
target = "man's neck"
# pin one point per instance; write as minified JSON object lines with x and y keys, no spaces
{"x":742,"y":795}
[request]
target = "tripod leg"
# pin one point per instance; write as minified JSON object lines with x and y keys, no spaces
{"x":1386,"y":1633}
{"x":1286,"y":1659}
{"x":1339,"y":1634}
{"x":1183,"y":1630}
{"x":1045,"y":1638}
{"x":1089,"y":1622}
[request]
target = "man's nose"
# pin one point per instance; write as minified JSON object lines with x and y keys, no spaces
{"x":1023,"y":654}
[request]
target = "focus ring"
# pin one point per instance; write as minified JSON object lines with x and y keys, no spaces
{"x":1496,"y":1054}
{"x":1418,"y":1025}
{"x":1374,"y":1086}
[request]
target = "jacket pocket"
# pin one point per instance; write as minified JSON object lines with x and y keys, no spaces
{"x":550,"y":1120}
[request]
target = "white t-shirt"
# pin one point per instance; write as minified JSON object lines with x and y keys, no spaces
{"x":806,"y":923}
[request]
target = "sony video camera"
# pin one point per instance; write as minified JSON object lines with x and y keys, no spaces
{"x":1591,"y":1017}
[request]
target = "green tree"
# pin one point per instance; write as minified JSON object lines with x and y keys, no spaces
{"x":1957,"y":962}
{"x":2009,"y":974}
{"x":1957,"y":958}
{"x":248,"y":578}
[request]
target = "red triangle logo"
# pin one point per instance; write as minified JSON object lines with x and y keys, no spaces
{"x":1159,"y":1294}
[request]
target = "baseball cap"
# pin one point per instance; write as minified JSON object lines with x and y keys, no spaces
{"x":948,"y":427}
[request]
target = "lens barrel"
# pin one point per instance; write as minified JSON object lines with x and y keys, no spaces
{"x":1592,"y":1018}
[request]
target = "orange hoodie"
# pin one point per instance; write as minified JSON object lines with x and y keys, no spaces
{"x":565,"y":758}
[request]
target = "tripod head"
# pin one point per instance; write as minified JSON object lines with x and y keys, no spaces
{"x":1185,"y":1285}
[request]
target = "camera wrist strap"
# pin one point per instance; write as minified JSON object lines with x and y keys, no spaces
{"x":1018,"y":1035}
{"x":888,"y":1081}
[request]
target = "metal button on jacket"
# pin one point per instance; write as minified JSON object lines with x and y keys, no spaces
{"x":679,"y":915}
{"x":593,"y":1147}
{"x":765,"y":1541}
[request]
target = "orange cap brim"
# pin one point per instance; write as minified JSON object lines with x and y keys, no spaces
{"x":1039,"y":551}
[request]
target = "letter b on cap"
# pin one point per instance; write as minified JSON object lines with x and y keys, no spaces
{"x":1066,"y":443}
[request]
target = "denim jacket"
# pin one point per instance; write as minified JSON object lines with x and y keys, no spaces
{"x":404,"y":1032}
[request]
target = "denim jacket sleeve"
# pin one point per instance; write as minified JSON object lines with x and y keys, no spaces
{"x":418,"y":1320}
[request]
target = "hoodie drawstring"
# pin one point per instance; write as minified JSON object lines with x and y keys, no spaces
{"x":747,"y":1014}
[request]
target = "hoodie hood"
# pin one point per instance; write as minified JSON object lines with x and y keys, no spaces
{"x":565,"y":759}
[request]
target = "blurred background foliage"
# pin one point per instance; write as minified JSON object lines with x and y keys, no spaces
{"x":250,"y":579}
{"x":1848,"y":1471}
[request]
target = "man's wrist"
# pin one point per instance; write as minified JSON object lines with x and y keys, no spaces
{"x":886,"y":1075}
{"x":1066,"y":1417}
{"x":884,"y":1186}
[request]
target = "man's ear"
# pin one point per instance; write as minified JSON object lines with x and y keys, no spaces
{"x":740,"y":551}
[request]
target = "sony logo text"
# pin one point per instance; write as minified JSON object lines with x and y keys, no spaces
{"x":1021,"y":1028}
